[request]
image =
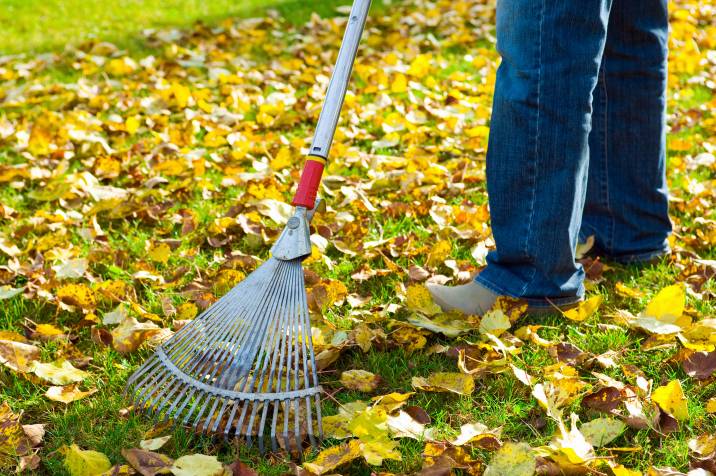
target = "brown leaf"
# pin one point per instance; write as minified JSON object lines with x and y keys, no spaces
{"x":148,"y":463}
{"x":30,"y":462}
{"x":130,"y":334}
{"x":34,"y":433}
{"x":418,"y":414}
{"x":417,"y":273}
{"x":604,"y":400}
{"x":700,"y":365}
{"x":101,"y":336}
{"x":568,"y":353}
{"x":17,"y":355}
{"x":240,"y":469}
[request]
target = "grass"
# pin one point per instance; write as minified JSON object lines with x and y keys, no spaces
{"x":98,"y":423}
{"x":35,"y":26}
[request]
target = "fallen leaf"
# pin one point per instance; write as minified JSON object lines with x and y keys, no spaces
{"x":7,"y":292}
{"x":160,"y":253}
{"x":130,"y":334}
{"x":447,"y":324}
{"x":71,"y":269}
{"x":360,"y":380}
{"x":478,"y":434}
{"x":333,"y":457}
{"x":454,"y":382}
{"x":18,"y":356}
{"x":81,"y":462}
{"x":13,"y":440}
{"x":602,"y":431}
{"x":403,"y":425}
{"x":60,"y":372}
{"x":668,"y":305}
{"x":67,"y":394}
{"x":671,"y":399}
{"x":77,"y":295}
{"x":513,"y":459}
{"x":155,"y":443}
{"x":148,"y":463}
{"x":418,"y":299}
{"x":198,"y":465}
{"x":584,"y":310}
{"x":495,"y":322}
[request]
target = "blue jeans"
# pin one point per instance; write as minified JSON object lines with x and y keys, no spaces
{"x":577,"y":142}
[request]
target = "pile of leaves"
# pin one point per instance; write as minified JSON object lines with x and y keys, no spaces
{"x":137,"y":188}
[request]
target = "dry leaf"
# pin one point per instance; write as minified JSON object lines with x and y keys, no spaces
{"x":454,"y":382}
{"x":67,"y":394}
{"x":360,"y":380}
{"x":671,"y":399}
{"x":81,"y":462}
{"x":60,"y":372}
{"x":199,"y":465}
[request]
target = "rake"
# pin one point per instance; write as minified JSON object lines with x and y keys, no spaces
{"x":248,"y":360}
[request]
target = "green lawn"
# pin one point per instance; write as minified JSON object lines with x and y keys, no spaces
{"x":42,"y":25}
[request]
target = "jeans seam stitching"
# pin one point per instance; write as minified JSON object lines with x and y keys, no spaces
{"x":536,"y":147}
{"x":612,"y":224}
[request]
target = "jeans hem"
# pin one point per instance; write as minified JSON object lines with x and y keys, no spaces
{"x":637,"y":258}
{"x":532,"y":303}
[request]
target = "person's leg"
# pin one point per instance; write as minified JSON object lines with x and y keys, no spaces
{"x":538,"y":149}
{"x":627,"y":202}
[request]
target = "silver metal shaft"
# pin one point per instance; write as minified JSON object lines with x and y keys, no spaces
{"x":333,"y":103}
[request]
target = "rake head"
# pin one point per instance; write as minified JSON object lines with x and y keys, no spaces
{"x":245,"y":367}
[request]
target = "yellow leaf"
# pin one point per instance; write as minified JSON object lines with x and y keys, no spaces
{"x":130,"y":334}
{"x":494,"y":322}
{"x":132,"y":124}
{"x":399,"y":84}
{"x":620,"y":470}
{"x":199,"y":465}
{"x":439,"y":253}
{"x":671,"y":399}
{"x":188,"y":310}
{"x":58,"y":372}
{"x":668,"y":305}
{"x":625,"y":291}
{"x":67,"y":394}
{"x":47,"y":332}
{"x":454,"y":382}
{"x":450,"y":325}
{"x":282,"y":159}
{"x":419,"y":300}
{"x":371,"y":427}
{"x":81,"y":462}
{"x":360,"y":380}
{"x":12,"y":438}
{"x":77,"y":295}
{"x":160,"y":253}
{"x":513,"y":459}
{"x":155,"y":443}
{"x":711,"y":405}
{"x":333,"y":457}
{"x":584,"y":310}
{"x":392,"y":401}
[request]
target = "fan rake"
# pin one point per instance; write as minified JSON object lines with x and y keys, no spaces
{"x":248,"y":360}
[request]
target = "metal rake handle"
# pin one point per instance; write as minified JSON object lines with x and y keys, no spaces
{"x":330,"y":113}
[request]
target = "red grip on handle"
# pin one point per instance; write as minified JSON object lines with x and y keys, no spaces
{"x":308,"y":186}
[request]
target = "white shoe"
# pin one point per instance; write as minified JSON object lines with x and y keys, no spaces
{"x":471,"y":298}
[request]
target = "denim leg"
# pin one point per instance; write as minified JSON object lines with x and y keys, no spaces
{"x":627,"y":200}
{"x":538,"y":150}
